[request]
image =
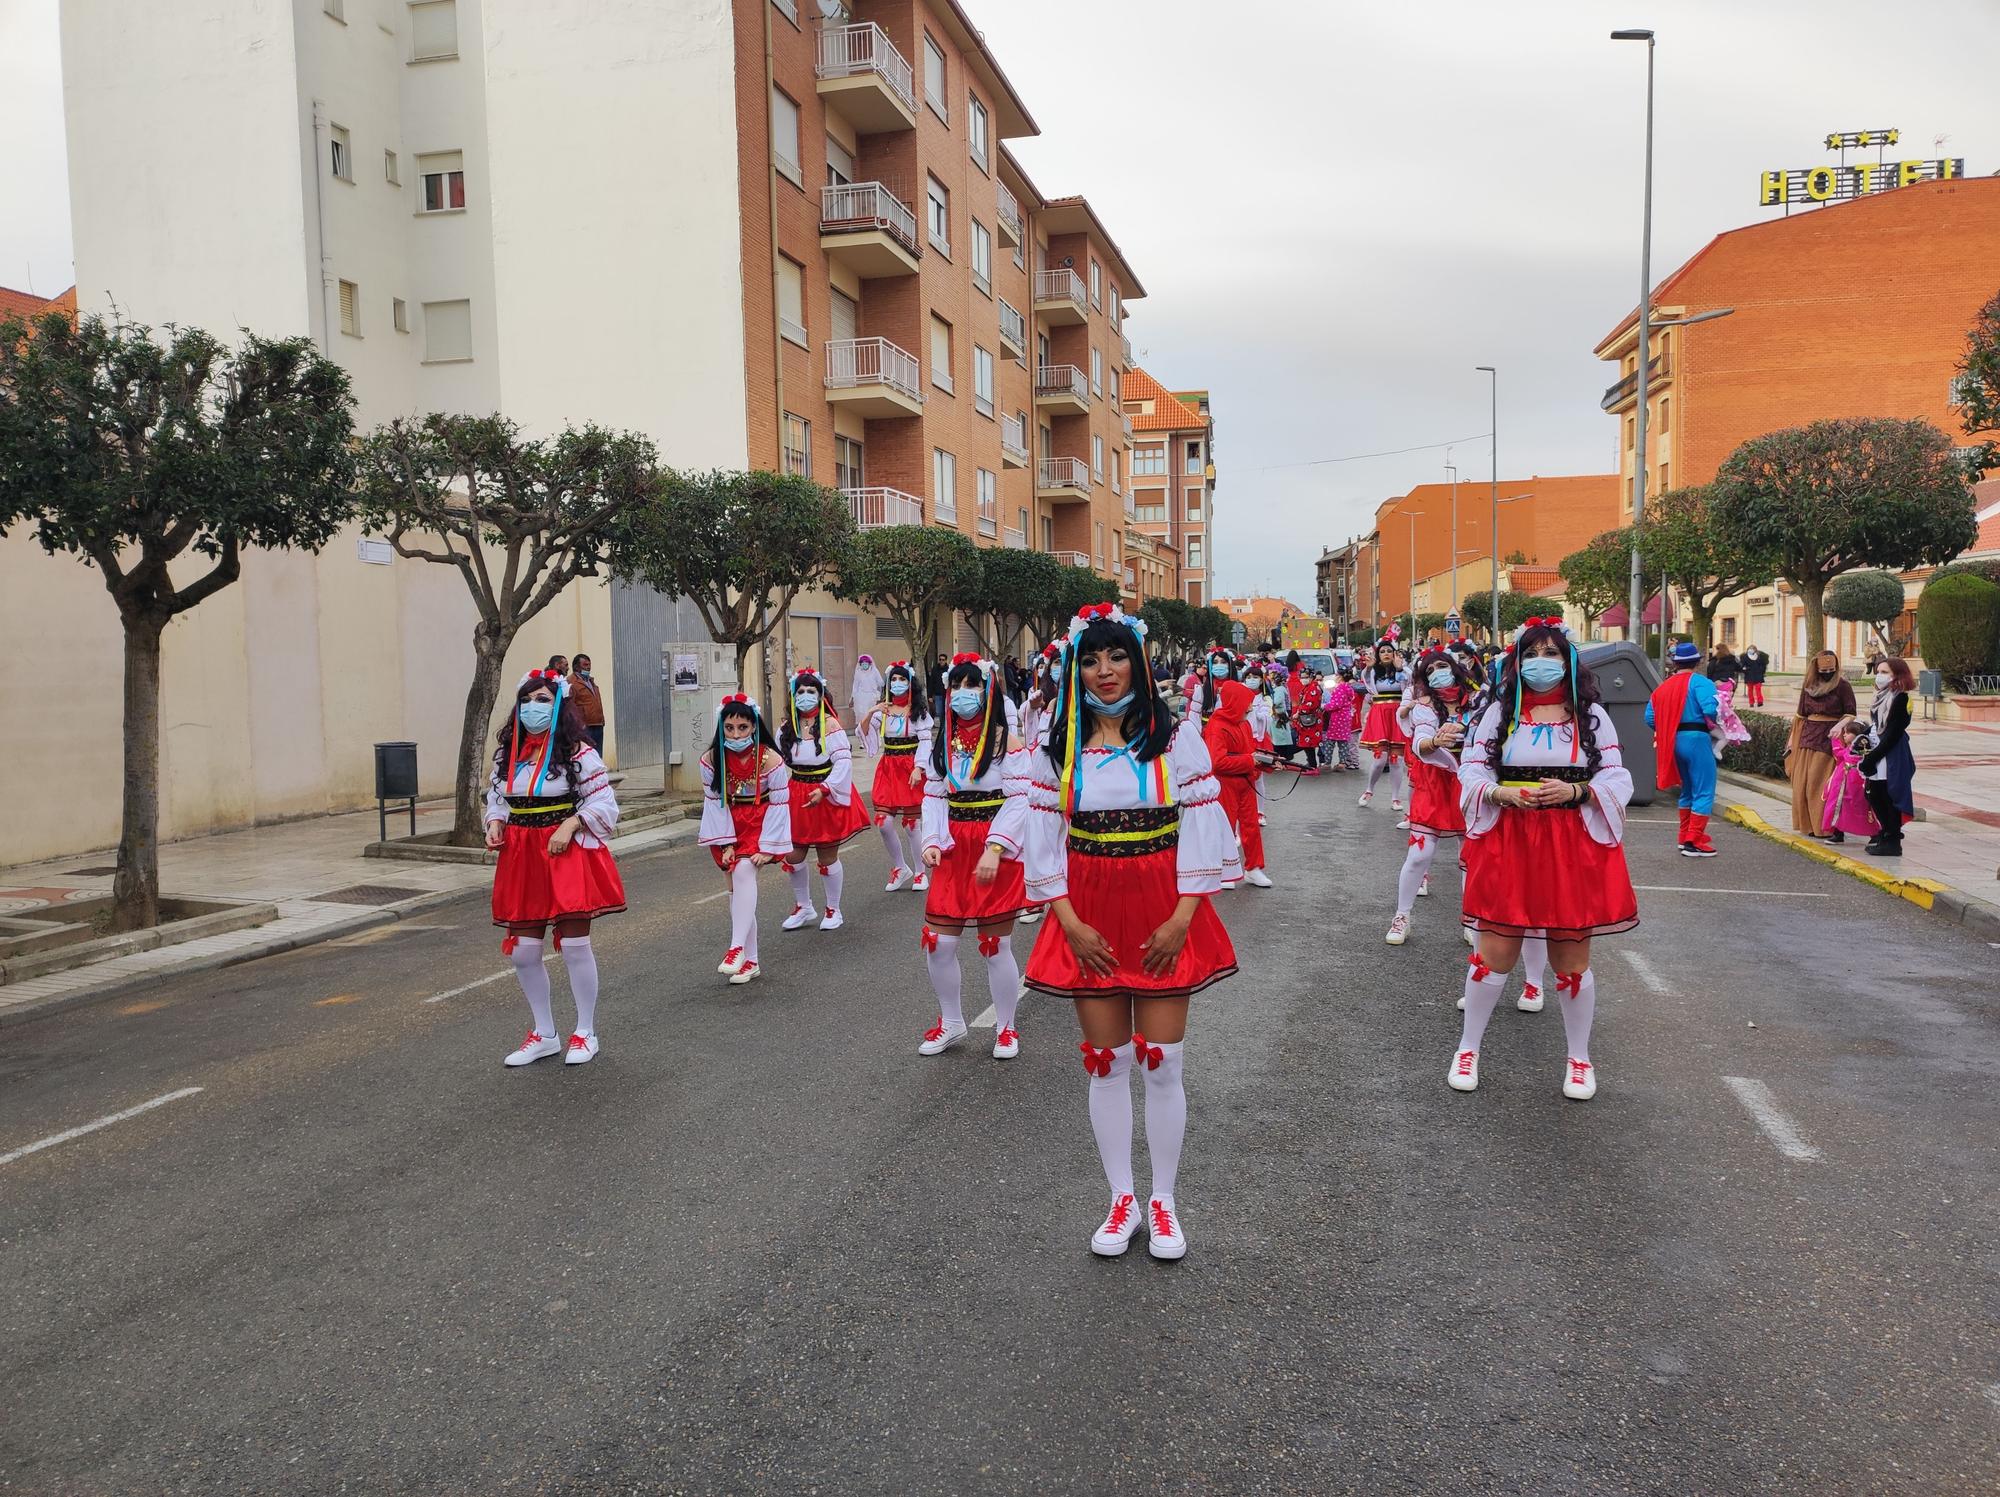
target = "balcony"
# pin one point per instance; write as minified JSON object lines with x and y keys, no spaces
{"x":873,"y":378}
{"x":865,"y":227}
{"x":1013,"y":442}
{"x":1014,"y":538}
{"x":1061,"y":296}
{"x":1124,"y":352}
{"x":861,"y":74}
{"x":989,"y":522}
{"x":1626,"y":391}
{"x":1125,"y":424}
{"x":877,"y":507}
{"x":1071,"y":558}
{"x":1013,"y":329}
{"x":1007,"y":209}
{"x":1062,"y":388}
{"x":1065,"y":480}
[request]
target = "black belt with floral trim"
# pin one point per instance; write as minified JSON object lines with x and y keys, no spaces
{"x":1132,"y":833}
{"x":538,"y":810}
{"x":974,"y":805}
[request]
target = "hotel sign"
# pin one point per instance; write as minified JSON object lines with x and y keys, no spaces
{"x":1832,"y":184}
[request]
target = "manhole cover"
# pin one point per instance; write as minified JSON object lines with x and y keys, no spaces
{"x":369,"y":894}
{"x":92,"y":872}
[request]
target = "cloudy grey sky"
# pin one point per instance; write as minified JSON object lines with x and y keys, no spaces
{"x":1340,"y":207}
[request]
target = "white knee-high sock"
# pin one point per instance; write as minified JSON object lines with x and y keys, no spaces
{"x":1482,"y":996}
{"x":1003,"y":983}
{"x":1399,"y":779}
{"x":893,"y":841}
{"x":802,"y":887}
{"x":941,"y":957}
{"x":1111,"y":1120}
{"x":582,"y":964}
{"x":1166,"y":1116}
{"x":1376,"y":770}
{"x":1423,"y":847}
{"x":836,"y":880}
{"x":535,"y":984}
{"x":1579,"y":1008}
{"x":1535,"y":961}
{"x":743,"y":907}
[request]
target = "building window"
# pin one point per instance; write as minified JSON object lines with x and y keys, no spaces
{"x":839,"y":163}
{"x":1098,"y":528}
{"x":939,"y":197}
{"x":944,"y":486}
{"x":1096,"y":283}
{"x":1666,"y":481}
{"x":1191,"y":501}
{"x":399,"y":314}
{"x":444,"y":181}
{"x":976,"y":130}
{"x":989,"y":502}
{"x":1149,"y":461}
{"x":789,"y":9}
{"x":982,"y":380}
{"x":934,"y":78}
{"x":434,"y":30}
{"x":390,"y":171}
{"x":1194,"y":552}
{"x":447,"y":331}
{"x":785,"y":136}
{"x":1151,"y":507}
{"x":798,"y":446}
{"x":350,"y":309}
{"x":940,"y":352}
{"x":1194,"y":457}
{"x":1117,"y":309}
{"x":982,"y":257}
{"x":1096,"y":371}
{"x":1116,"y":473}
{"x":792,"y":301}
{"x":1116,"y":397}
{"x":1020,"y":254}
{"x":342,"y":152}
{"x":1666,"y":419}
{"x":1097,"y":457}
{"x":1729,"y":633}
{"x":843,"y":316}
{"x":848,"y":465}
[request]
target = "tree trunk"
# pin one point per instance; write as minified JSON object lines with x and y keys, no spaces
{"x":135,"y":889}
{"x":489,"y":650}
{"x":1703,"y":625}
{"x":1812,"y":593}
{"x":743,"y":649}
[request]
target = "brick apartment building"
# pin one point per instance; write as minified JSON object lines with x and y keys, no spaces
{"x":1853,"y":310}
{"x":1173,"y":476}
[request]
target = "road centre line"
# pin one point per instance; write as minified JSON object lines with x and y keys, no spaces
{"x":468,"y":987}
{"x":1781,"y":1130}
{"x":104,"y":1122}
{"x":1648,"y":974}
{"x":711,"y":898}
{"x":1708,"y":889}
{"x":988,"y":1018}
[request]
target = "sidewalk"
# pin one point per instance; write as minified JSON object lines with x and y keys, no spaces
{"x":312,"y":870}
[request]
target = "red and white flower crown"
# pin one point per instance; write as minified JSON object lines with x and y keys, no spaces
{"x":1091,"y":613}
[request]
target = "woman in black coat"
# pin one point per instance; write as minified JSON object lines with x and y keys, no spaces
{"x":1722,"y":664}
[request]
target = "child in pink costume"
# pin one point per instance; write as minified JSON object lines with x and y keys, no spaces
{"x":1845,"y":808}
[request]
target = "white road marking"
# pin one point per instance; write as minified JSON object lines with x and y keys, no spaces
{"x":988,"y":1018}
{"x":1646,"y":972}
{"x":711,"y":898}
{"x":105,"y":1122}
{"x":468,"y":986}
{"x":1781,"y":1130}
{"x":1992,"y":1390}
{"x":1709,"y":889}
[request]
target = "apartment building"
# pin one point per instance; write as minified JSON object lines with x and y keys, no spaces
{"x":1151,"y":569}
{"x":1173,"y":475}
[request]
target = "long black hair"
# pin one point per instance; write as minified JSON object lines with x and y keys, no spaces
{"x":1578,"y":684}
{"x":917,"y":708}
{"x":1374,"y":670}
{"x":738,"y":707}
{"x":1148,"y":722}
{"x":1209,"y":678}
{"x":789,"y":736}
{"x":967,"y":671}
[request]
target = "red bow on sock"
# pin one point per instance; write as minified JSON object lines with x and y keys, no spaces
{"x":1146,"y":1055}
{"x":928,"y":940}
{"x":989,"y":945}
{"x":1095,"y":1061}
{"x":1480,"y":971}
{"x":1416,"y":839}
{"x":507,"y":946}
{"x":1570,"y":983}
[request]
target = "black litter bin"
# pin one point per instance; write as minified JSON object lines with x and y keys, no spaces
{"x":395,"y":780}
{"x":1625,"y":682}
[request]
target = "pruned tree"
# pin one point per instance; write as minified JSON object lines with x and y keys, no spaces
{"x":1014,"y":588}
{"x":1705,"y":569}
{"x":1827,"y":498}
{"x":1978,"y":384}
{"x":1213,"y":627}
{"x":520,"y":520}
{"x":910,"y":572}
{"x":1076,"y":587}
{"x":137,"y":456}
{"x":1874,"y":598}
{"x":1515,"y":609}
{"x":1599,"y":576}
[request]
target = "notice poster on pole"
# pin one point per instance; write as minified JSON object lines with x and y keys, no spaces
{"x":687,"y":672}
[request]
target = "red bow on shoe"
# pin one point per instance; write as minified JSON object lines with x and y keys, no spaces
{"x":1095,"y":1061}
{"x":1480,"y":971}
{"x":928,"y":940}
{"x":989,"y":945}
{"x":1570,"y":983}
{"x":1146,"y":1055}
{"x":1416,"y":839}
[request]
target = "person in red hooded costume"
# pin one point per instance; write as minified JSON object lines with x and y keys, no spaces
{"x":1232,"y":749}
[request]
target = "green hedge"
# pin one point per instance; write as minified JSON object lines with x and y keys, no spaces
{"x":1958,"y":620}
{"x":1764,"y":754}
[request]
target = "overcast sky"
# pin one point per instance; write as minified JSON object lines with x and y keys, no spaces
{"x":1339,"y":207}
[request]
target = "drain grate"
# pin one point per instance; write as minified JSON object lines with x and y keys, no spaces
{"x":369,"y":894}
{"x":92,"y":872}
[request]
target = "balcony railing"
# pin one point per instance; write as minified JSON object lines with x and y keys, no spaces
{"x":989,"y":524}
{"x":1013,"y":326}
{"x":876,"y":507}
{"x":1626,"y":388}
{"x":1014,"y":438}
{"x":1065,"y":473}
{"x":872,"y":361}
{"x":1062,"y":379}
{"x":1014,"y":538}
{"x":858,"y":207}
{"x":1062,"y":285}
{"x":1125,"y":350}
{"x":1071,"y":558}
{"x":1008,"y":208}
{"x":847,"y":51}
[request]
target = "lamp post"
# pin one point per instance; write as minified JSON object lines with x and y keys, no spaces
{"x":1493,"y":432}
{"x":1413,"y":516}
{"x":1637,"y":585}
{"x":1452,"y":468}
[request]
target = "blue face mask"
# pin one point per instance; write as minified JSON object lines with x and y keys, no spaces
{"x":967,"y":700}
{"x":1217,"y":669}
{"x":536,"y":716}
{"x":807,"y":700}
{"x":1442,"y":677}
{"x":1097,"y":703}
{"x":1542,"y":671}
{"x":899,"y":688}
{"x":737,"y":745}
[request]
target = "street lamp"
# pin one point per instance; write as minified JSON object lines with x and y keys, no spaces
{"x":1413,"y":516}
{"x":1493,"y":432}
{"x":1452,"y":468}
{"x":1645,"y":332}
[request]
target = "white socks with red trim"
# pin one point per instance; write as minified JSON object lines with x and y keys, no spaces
{"x":1003,"y":980}
{"x":1111,"y":1118}
{"x":1483,"y":988}
{"x":836,"y":879}
{"x":534,"y":978}
{"x":582,"y":964}
{"x":1423,"y":847}
{"x":892,"y":840}
{"x":1578,"y":997}
{"x":743,"y":907}
{"x":1535,"y":962}
{"x":1166,"y":1115}
{"x":941,"y":957}
{"x":802,"y":883}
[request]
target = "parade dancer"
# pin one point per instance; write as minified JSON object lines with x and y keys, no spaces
{"x":1203,"y":699}
{"x":1235,"y":758}
{"x":1262,"y":719}
{"x":897,"y":794}
{"x":1035,"y":728}
{"x":975,"y":814}
{"x":826,"y":811}
{"x":746,"y":820}
{"x":1308,"y":717}
{"x":1435,"y":731}
{"x":1682,"y":713}
{"x":550,"y":810}
{"x":1127,"y":839}
{"x":1543,"y":790}
{"x":1382,"y":682}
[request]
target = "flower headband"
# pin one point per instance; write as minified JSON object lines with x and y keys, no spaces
{"x":545,"y":676}
{"x":1092,"y":613}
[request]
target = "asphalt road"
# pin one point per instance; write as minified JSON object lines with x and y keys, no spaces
{"x":761,"y":1245}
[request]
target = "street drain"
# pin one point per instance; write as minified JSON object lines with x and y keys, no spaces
{"x":369,"y":894}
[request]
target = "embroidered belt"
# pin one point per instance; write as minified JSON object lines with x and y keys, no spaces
{"x":1568,"y":774}
{"x":538,"y":810}
{"x":812,"y":774}
{"x":974,"y":805}
{"x":899,"y":745}
{"x":1131,"y":833}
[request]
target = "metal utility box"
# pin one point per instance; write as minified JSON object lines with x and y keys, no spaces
{"x":395,"y":780}
{"x":1626,"y":680}
{"x":694,"y":678}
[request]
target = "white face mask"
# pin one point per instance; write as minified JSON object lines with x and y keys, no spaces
{"x":1883,"y":678}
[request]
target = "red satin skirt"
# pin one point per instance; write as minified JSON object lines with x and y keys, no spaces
{"x":1381,"y":730}
{"x":1434,"y":801}
{"x":533,"y":887}
{"x":1541,"y":872}
{"x":826,"y":824}
{"x":1125,"y":900}
{"x":748,"y":817}
{"x":892,"y":794}
{"x":957,"y":899}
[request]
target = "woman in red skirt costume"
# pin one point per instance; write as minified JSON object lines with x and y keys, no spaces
{"x":1431,"y":719}
{"x":826,"y":809}
{"x":1382,"y":682}
{"x":1127,"y":839}
{"x":1543,"y":789}
{"x":1035,"y":728}
{"x":975,"y":809}
{"x":897,"y":794}
{"x":549,"y":813}
{"x":1236,"y":759}
{"x":746,"y":820}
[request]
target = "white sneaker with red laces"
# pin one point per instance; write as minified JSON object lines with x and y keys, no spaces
{"x":582,"y":1050}
{"x":1115,"y":1235}
{"x":1029,"y":917}
{"x":801,"y":915}
{"x":833,"y":920}
{"x":1530,"y":1001}
{"x":1580,"y":1081}
{"x":896,"y":881}
{"x":922,"y":880}
{"x":535,"y":1047}
{"x":1007,"y":1044}
{"x":1403,"y":825}
{"x":1399,"y":929}
{"x":1395,"y":803}
{"x":1366,"y":796}
{"x":938,"y":1039}
{"x":1464,"y":1073}
{"x":1424,"y":888}
{"x":732,"y":962}
{"x":748,"y":972}
{"x":1164,"y":1238}
{"x":1470,"y":939}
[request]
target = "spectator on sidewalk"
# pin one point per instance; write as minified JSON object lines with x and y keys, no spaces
{"x":1824,"y":699}
{"x":559,"y":664}
{"x":1888,"y":767}
{"x":1723,"y":664}
{"x":1755,"y":663}
{"x":589,"y":700}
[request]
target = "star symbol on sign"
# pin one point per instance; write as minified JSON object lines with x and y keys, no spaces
{"x":1833,"y":142}
{"x":1894,"y":136}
